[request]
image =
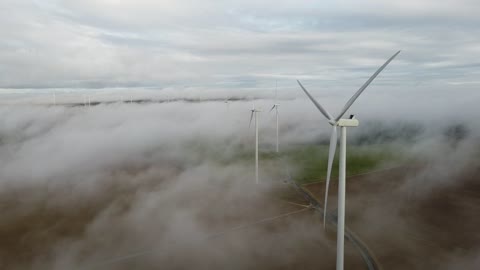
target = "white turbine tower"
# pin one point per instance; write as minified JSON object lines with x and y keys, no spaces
{"x":254,"y":113}
{"x":54,"y":99}
{"x":343,"y":124}
{"x":275,"y":106}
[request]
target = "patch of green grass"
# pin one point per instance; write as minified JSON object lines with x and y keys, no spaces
{"x":311,"y":160}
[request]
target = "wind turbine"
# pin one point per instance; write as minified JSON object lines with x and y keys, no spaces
{"x":254,"y":113}
{"x":343,"y":124}
{"x":227,"y":102}
{"x":275,"y":106}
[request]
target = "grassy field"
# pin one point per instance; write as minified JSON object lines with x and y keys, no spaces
{"x":309,"y":161}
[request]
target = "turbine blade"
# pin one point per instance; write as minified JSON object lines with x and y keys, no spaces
{"x":251,"y":117}
{"x":272,"y":108}
{"x":365,"y":85}
{"x":319,"y":107}
{"x":331,"y":156}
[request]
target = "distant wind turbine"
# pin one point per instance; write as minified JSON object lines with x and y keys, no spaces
{"x":275,"y":106}
{"x":252,"y":115}
{"x":54,"y":99}
{"x":227,"y":102}
{"x":343,"y":124}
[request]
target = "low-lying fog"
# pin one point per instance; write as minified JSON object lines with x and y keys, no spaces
{"x":83,"y":186}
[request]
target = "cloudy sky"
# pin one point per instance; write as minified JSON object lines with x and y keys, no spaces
{"x":211,"y":44}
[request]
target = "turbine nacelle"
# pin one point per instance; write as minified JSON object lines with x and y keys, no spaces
{"x":344,"y":123}
{"x":347,"y":123}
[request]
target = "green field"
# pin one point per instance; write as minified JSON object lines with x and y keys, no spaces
{"x":308,"y":161}
{"x":311,"y":160}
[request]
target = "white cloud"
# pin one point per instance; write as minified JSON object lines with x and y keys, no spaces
{"x":209,"y":44}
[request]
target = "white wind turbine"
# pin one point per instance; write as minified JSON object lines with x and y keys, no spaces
{"x":343,"y":124}
{"x":254,"y":113}
{"x":227,"y":102}
{"x":275,"y":106}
